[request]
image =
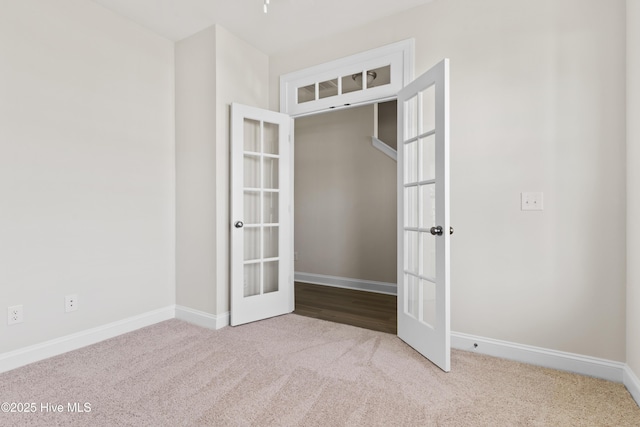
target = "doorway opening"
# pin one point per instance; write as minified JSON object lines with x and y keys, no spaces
{"x":345,"y":195}
{"x":423,"y":227}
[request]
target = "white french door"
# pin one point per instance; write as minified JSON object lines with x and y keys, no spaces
{"x":261,"y":214}
{"x":262,"y":217}
{"x":423,"y":215}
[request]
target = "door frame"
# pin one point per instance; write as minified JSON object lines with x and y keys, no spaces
{"x":331,"y":72}
{"x":324,"y":71}
{"x":405,"y":48}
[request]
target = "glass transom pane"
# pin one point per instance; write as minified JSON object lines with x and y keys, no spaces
{"x":352,"y":83}
{"x":382,"y":76}
{"x":328,"y":88}
{"x":306,"y":93}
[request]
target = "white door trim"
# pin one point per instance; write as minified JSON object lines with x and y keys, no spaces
{"x":399,"y":55}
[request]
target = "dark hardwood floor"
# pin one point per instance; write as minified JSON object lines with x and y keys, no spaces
{"x":358,"y":308}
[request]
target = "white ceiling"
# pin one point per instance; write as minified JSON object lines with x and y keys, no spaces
{"x":289,"y":23}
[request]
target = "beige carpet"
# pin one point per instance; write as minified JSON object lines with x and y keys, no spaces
{"x":294,"y":370}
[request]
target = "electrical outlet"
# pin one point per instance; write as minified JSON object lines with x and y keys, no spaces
{"x":14,"y":315}
{"x":70,"y":303}
{"x":531,"y":201}
{"x":295,"y":256}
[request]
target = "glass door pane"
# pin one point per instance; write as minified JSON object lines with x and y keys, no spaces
{"x":252,"y":206}
{"x":261,"y":207}
{"x":271,"y":138}
{"x":271,"y":274}
{"x":271,"y":202}
{"x":251,"y":135}
{"x":251,"y":280}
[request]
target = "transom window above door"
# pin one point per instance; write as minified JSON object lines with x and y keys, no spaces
{"x":358,"y":79}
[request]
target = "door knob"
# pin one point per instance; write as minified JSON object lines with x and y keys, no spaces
{"x":239,"y":224}
{"x":437,"y":231}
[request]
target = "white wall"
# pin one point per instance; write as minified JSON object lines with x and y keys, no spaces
{"x":633,"y":185}
{"x":537,"y":104}
{"x":242,"y":76}
{"x":86,"y":168}
{"x":196,"y":267}
{"x":213,"y":69}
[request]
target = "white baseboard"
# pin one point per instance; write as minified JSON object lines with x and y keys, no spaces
{"x":34,"y":353}
{"x":579,"y":364}
{"x":200,"y":318}
{"x":585,"y":365}
{"x":632,"y":383}
{"x":344,"y":282}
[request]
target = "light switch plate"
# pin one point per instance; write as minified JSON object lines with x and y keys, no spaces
{"x":531,"y":201}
